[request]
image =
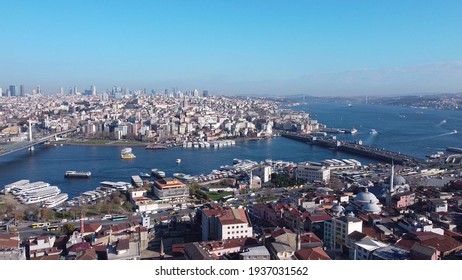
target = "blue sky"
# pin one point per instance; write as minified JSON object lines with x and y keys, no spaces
{"x":234,"y":47}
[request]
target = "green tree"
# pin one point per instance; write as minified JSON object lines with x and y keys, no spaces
{"x":68,"y":229}
{"x":127,"y":206}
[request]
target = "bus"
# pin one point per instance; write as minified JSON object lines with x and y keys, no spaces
{"x":40,"y":225}
{"x":119,"y":218}
{"x":53,"y":228}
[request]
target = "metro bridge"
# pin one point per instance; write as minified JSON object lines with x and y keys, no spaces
{"x":11,"y":148}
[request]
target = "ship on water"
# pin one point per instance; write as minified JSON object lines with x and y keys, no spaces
{"x":77,"y":174}
{"x":127,"y":154}
{"x":55,"y":201}
{"x":156,"y":147}
{"x":158,"y":173}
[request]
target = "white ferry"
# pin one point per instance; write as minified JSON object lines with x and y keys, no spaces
{"x":19,"y":190}
{"x":55,"y":201}
{"x":9,"y":187}
{"x":77,"y":174}
{"x":41,"y":196}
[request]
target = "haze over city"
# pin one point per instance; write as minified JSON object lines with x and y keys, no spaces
{"x":322,"y":48}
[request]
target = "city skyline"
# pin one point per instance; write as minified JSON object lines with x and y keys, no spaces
{"x":320,"y":48}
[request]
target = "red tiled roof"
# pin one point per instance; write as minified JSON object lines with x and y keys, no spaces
{"x":9,"y":244}
{"x":316,"y":253}
{"x":81,"y":245}
{"x":442,"y":243}
{"x":231,"y":243}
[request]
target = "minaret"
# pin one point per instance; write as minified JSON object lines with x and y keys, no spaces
{"x":162,"y":254}
{"x":391,"y":188}
{"x":81,"y":224}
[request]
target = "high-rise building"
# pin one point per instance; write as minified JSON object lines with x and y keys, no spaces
{"x":21,"y":91}
{"x":75,"y":90}
{"x":93,"y":90}
{"x":205,"y":93}
{"x":14,"y":90}
{"x":1,"y":91}
{"x":39,"y":90}
{"x":61,"y":90}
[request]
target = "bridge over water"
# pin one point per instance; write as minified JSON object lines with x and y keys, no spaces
{"x":11,"y":148}
{"x":354,"y":148}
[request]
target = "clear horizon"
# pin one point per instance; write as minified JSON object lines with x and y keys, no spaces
{"x":318,"y":48}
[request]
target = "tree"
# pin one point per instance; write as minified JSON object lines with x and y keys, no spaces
{"x":44,"y":214}
{"x":127,"y":206}
{"x":106,"y":208}
{"x":68,"y":229}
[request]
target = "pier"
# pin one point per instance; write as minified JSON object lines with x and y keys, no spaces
{"x":354,"y":148}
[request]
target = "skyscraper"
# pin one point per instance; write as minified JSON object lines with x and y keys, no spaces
{"x":21,"y":91}
{"x":1,"y":91}
{"x":39,"y":90}
{"x":14,"y":90}
{"x":93,"y":90}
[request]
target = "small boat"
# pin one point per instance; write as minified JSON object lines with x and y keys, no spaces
{"x":373,"y":132}
{"x":127,"y":154}
{"x":454,"y":131}
{"x":77,"y":174}
{"x":158,"y":173}
{"x":178,"y":160}
{"x":144,"y":175}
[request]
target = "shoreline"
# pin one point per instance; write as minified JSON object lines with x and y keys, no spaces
{"x":116,"y":143}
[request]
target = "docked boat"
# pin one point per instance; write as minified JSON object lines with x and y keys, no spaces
{"x":126,"y":153}
{"x":156,"y":147}
{"x":55,"y":201}
{"x":144,"y":175}
{"x":158,"y":173}
{"x":353,"y":131}
{"x":77,"y":174}
{"x":373,"y":132}
{"x":19,"y":190}
{"x":40,"y":196}
{"x":9,"y":187}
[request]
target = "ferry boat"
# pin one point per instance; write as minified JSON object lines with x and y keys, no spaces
{"x":19,"y":190}
{"x":9,"y":187}
{"x":77,"y":174}
{"x":156,"y":146}
{"x":55,"y":201}
{"x":40,"y":196}
{"x":127,"y":154}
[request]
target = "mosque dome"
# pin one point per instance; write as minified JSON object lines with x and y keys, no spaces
{"x":371,"y":207}
{"x":365,"y":197}
{"x":338,"y":208}
{"x":398,"y":180}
